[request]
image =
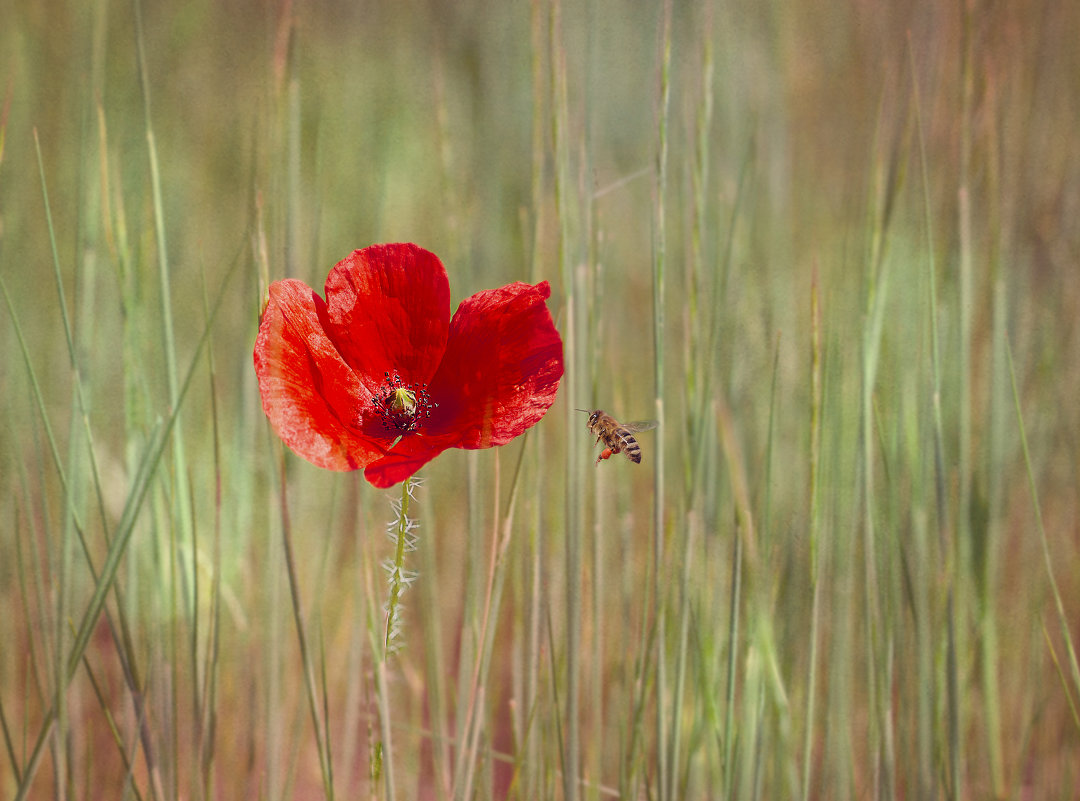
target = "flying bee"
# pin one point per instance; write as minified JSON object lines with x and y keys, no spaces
{"x":618,"y":437}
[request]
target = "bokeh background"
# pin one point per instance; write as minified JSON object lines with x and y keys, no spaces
{"x":848,"y":564}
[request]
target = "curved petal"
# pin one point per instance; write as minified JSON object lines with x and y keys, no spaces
{"x":501,"y":369}
{"x":408,"y":456}
{"x":310,"y":395}
{"x":388,"y":310}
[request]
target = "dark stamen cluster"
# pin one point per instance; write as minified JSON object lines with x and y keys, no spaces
{"x":402,"y":407}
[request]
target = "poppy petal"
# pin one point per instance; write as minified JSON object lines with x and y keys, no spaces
{"x":408,"y":456}
{"x":310,"y":395}
{"x":501,"y":369}
{"x":388,"y":310}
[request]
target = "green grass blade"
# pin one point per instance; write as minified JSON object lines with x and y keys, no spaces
{"x":306,"y":656}
{"x":947,"y":549}
{"x":1059,"y":606}
{"x":665,"y":775}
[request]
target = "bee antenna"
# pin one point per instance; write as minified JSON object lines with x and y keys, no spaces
{"x":582,"y":410}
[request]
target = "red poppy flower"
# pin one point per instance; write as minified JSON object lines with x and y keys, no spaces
{"x":379,"y":376}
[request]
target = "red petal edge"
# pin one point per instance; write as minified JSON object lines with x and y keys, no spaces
{"x":309,"y":393}
{"x":408,"y":456}
{"x":501,"y":370}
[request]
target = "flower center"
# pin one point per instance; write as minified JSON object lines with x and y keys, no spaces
{"x":401,"y":407}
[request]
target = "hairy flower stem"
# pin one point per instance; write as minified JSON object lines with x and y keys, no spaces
{"x":402,"y":531}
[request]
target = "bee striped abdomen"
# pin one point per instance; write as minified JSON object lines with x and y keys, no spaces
{"x":629,"y":445}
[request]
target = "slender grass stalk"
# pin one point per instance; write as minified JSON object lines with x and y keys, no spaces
{"x":817,"y":570}
{"x":586,"y":277}
{"x":699,"y":356}
{"x":1064,"y":679}
{"x":469,"y":646}
{"x":633,"y":766}
{"x":571,"y":757}
{"x":877,"y":626}
{"x":39,"y":398}
{"x":436,"y":670}
{"x":947,"y":549}
{"x":430,"y":589}
{"x":695,"y":359}
{"x":533,"y":554}
{"x":62,"y":573}
{"x":997,"y":477}
{"x":4,"y":113}
{"x":1044,"y":542}
{"x":180,"y":503}
{"x":502,"y":528}
{"x":81,"y":403}
{"x":600,"y":640}
{"x":167,"y":752}
{"x":592,"y":347}
{"x":665,"y":776}
{"x":206,"y":670}
{"x":382,"y":757}
{"x":532,"y":753}
{"x":5,"y":728}
{"x":469,"y":745}
{"x":114,"y":729}
{"x":181,"y":530}
{"x":192,"y":655}
{"x":159,"y":212}
{"x":293,"y":195}
{"x":989,"y":655}
{"x":62,"y":565}
{"x":357,"y":720}
{"x":871,"y":589}
{"x":728,"y":735}
{"x":965,"y":303}
{"x":690,"y":538}
{"x":306,"y":657}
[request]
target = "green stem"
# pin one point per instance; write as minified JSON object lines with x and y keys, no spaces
{"x":404,"y":541}
{"x":398,"y":578}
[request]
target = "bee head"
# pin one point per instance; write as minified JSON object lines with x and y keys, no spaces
{"x":594,"y":415}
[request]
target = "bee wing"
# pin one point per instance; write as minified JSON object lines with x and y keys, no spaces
{"x":640,"y":425}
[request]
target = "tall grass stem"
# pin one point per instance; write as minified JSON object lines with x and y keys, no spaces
{"x":665,"y":777}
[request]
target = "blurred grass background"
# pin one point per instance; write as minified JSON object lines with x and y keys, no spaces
{"x":836,"y":573}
